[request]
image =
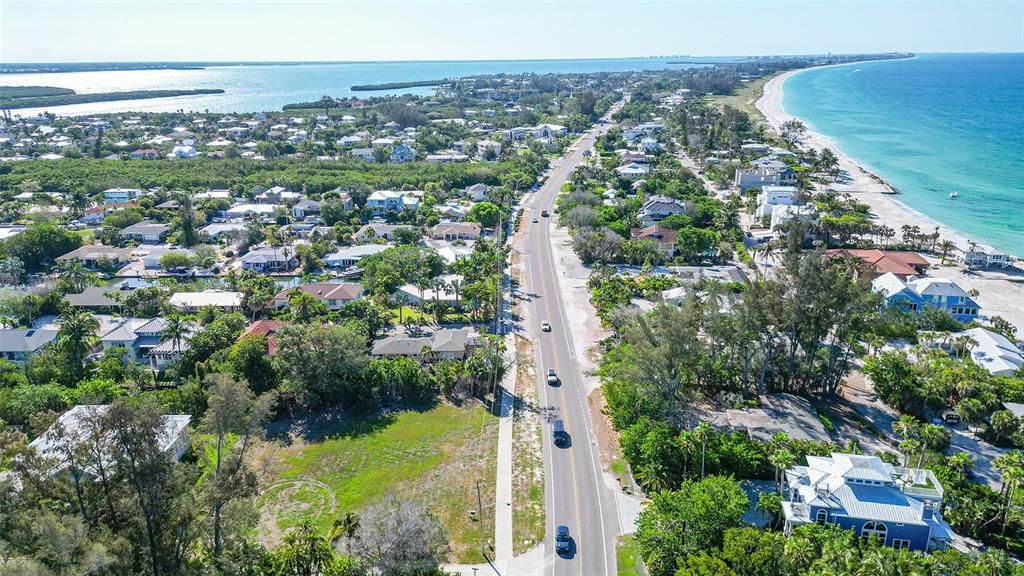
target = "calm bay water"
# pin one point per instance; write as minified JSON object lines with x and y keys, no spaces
{"x":929,"y":126}
{"x":269,"y":87}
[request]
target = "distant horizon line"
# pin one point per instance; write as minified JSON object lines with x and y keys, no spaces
{"x":445,"y":60}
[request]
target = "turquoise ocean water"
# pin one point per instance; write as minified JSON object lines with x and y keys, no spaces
{"x":931,"y":125}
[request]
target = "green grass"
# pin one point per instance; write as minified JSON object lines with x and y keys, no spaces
{"x":414,"y":314}
{"x":627,"y":553}
{"x":744,"y":98}
{"x":434,"y":456}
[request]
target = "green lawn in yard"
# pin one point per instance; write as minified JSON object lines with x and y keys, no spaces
{"x":627,"y":553}
{"x":434,"y":456}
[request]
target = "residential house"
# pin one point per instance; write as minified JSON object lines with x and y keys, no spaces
{"x":985,"y":257}
{"x":444,"y":292}
{"x":92,"y":255}
{"x":774,"y":196}
{"x":305,"y":208}
{"x":74,"y":427}
{"x":120,"y":195}
{"x":146,"y":232}
{"x":657,"y":208}
{"x":145,"y":154}
{"x":755,"y":148}
{"x":485,"y":147}
{"x":900,"y":507}
{"x":16,"y":344}
{"x":276,"y":195}
{"x":263,"y":211}
{"x":11,"y":230}
{"x":632,"y":171}
{"x":270,"y":259}
{"x":664,"y":239}
{"x":334,"y":296}
{"x":344,"y":196}
{"x":649,"y":146}
{"x":194,"y":301}
{"x":443,"y":344}
{"x":783,"y":215}
{"x":990,"y":350}
{"x":455,"y":231}
{"x":878,"y":262}
{"x":381,"y":202}
{"x":550,"y":131}
{"x":914,"y":294}
{"x":402,"y":153}
{"x":446,"y":158}
{"x":101,"y":297}
{"x":477,"y":192}
{"x":225,"y":229}
{"x":351,"y":255}
{"x":746,"y":179}
{"x":183,"y":152}
{"x":267,"y":329}
{"x":151,"y":259}
{"x":364,"y":154}
{"x":376,"y":231}
{"x":138,"y":337}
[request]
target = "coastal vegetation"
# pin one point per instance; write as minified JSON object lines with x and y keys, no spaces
{"x":396,"y":85}
{"x":8,"y":92}
{"x":63,"y":99}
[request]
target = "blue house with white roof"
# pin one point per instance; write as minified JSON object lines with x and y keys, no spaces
{"x":898,"y":506}
{"x":914,"y":294}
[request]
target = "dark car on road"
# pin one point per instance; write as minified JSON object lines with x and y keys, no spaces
{"x":558,"y":433}
{"x":562,"y":541}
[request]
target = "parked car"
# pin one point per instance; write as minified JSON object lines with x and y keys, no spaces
{"x":544,"y":213}
{"x":562,"y":540}
{"x":545,"y":326}
{"x":552,"y":377}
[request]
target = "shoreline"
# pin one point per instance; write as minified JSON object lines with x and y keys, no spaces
{"x":861,"y":183}
{"x":1000,"y":291}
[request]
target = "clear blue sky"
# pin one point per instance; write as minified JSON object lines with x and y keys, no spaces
{"x":141,"y":30}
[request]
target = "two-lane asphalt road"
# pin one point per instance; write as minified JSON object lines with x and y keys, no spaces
{"x":575,"y":493}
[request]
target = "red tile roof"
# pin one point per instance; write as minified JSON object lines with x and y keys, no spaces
{"x":264,"y":328}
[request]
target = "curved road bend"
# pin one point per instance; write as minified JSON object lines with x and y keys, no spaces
{"x":575,"y":492}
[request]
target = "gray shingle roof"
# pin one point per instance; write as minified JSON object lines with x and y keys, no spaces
{"x":18,"y":340}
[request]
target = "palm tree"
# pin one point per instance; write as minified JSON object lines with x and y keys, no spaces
{"x":908,"y":447}
{"x":73,"y":272}
{"x":12,"y":268}
{"x":905,"y":426}
{"x":782,"y":459}
{"x":701,"y":434}
{"x":945,"y":247}
{"x":1011,"y":466}
{"x":770,"y":504}
{"x":176,"y":330}
{"x":346,"y":526}
{"x":961,"y":463}
{"x":932,"y":436}
{"x":77,"y":335}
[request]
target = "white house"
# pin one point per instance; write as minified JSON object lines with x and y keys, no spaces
{"x":786,"y":214}
{"x":243,"y":210}
{"x":73,"y":427}
{"x":194,"y":301}
{"x":992,"y":351}
{"x":632,"y":171}
{"x":381,"y":202}
{"x":270,"y":259}
{"x":773,"y":196}
{"x":120,"y":195}
{"x":146,"y":232}
{"x":351,"y":255}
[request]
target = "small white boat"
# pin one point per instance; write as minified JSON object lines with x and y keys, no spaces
{"x":954,"y":194}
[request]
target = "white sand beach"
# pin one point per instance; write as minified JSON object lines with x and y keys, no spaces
{"x":1001,"y":292}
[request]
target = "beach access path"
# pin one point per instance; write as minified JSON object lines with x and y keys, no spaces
{"x":1001,"y":292}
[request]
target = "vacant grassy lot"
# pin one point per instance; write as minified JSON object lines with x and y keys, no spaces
{"x":527,"y":450}
{"x":744,"y":99}
{"x":435,"y":456}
